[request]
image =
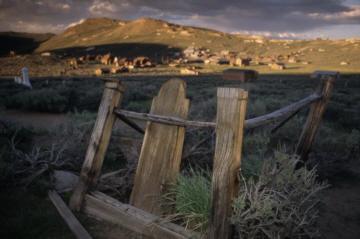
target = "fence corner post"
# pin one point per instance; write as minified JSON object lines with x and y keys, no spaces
{"x":99,"y":141}
{"x":316,"y":112}
{"x":231,"y":110}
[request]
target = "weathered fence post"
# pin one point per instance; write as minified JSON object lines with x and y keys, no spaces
{"x":316,"y":112}
{"x":160,"y":157}
{"x":231,"y":110}
{"x":99,"y":141}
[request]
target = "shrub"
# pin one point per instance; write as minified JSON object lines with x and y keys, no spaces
{"x":191,"y":199}
{"x":139,"y":106}
{"x":21,"y":165}
{"x":255,"y":147}
{"x":203,"y":109}
{"x":345,"y":145}
{"x":45,"y":100}
{"x":280,"y":204}
{"x":353,"y":142}
{"x":256,"y":108}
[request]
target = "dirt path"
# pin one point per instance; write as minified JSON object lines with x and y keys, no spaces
{"x":340,"y":212}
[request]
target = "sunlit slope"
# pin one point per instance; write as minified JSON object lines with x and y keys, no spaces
{"x":320,"y":54}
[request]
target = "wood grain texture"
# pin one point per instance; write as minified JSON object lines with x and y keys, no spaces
{"x":161,"y":151}
{"x":99,"y":142}
{"x":149,"y":225}
{"x":69,"y":218}
{"x":315,"y":114}
{"x":231,"y":110}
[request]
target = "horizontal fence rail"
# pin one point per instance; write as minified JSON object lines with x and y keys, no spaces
{"x":163,"y":119}
{"x":287,"y":111}
{"x":280,"y":113}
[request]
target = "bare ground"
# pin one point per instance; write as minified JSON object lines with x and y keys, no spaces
{"x":340,"y":212}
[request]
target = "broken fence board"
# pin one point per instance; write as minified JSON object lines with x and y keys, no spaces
{"x":99,"y":142}
{"x":74,"y":225}
{"x":106,"y":208}
{"x":160,"y":157}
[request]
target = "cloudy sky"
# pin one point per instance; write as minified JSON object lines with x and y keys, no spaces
{"x":277,"y":18}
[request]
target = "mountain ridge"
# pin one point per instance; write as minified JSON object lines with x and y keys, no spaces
{"x":156,"y":38}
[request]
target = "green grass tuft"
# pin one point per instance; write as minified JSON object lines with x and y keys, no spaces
{"x":191,"y":199}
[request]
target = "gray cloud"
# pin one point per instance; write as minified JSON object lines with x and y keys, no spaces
{"x":228,"y":15}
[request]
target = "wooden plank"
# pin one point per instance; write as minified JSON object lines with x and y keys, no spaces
{"x":99,"y":142}
{"x":168,"y":120}
{"x":149,"y":225}
{"x":249,"y":123}
{"x":74,"y":225}
{"x":160,"y":156}
{"x":231,"y":110}
{"x":315,"y":115}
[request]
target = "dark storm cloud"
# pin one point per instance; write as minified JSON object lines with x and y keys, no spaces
{"x":260,"y":15}
{"x":228,"y":15}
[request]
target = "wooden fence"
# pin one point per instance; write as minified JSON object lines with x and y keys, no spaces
{"x":161,"y":153}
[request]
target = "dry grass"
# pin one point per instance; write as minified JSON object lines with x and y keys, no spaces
{"x":280,"y":204}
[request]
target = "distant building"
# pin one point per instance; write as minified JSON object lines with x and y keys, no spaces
{"x":293,"y":60}
{"x":240,"y":75}
{"x":238,"y":61}
{"x":277,"y":66}
{"x":46,"y":54}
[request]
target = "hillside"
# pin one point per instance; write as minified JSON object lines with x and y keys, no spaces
{"x":146,"y":34}
{"x":21,"y":42}
{"x":105,"y":31}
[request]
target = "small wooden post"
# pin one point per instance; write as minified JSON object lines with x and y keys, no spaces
{"x":231,"y":110}
{"x":316,"y":112}
{"x":160,"y":157}
{"x":99,"y":142}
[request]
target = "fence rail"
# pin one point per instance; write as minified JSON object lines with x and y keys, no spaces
{"x":272,"y":117}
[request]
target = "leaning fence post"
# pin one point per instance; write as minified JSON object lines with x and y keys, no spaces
{"x":231,"y":109}
{"x":316,"y":112}
{"x":99,"y":141}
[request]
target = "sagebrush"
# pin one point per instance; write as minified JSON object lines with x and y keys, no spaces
{"x":281,"y":203}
